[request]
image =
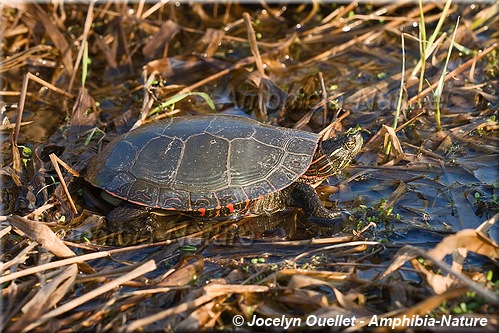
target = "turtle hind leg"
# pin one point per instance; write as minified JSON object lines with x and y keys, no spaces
{"x":269,"y":204}
{"x":128,"y":216}
{"x":304,"y":196}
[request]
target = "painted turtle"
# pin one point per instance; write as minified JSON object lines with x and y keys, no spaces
{"x":217,"y":166}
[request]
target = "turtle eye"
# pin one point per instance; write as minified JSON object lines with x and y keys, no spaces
{"x":350,"y":144}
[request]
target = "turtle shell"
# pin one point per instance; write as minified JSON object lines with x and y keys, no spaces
{"x":202,"y":163}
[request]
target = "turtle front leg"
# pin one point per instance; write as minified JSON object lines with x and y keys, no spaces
{"x":304,"y":196}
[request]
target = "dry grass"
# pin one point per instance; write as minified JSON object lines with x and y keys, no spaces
{"x":305,"y":65}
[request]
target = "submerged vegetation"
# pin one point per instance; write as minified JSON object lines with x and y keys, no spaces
{"x":418,"y":243}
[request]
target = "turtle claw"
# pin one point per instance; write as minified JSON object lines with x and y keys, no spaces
{"x":334,"y":223}
{"x":335,"y":220}
{"x":344,"y":213}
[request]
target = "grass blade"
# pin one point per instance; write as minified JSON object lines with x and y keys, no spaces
{"x":401,"y":94}
{"x":180,"y":97}
{"x":440,"y":87}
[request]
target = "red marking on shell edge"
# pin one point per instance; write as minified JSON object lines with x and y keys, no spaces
{"x":218,"y":209}
{"x":202,"y":211}
{"x":230,"y":207}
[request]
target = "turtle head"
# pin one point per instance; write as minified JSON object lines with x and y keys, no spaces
{"x":333,"y":155}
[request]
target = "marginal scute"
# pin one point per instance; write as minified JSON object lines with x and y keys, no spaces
{"x":203,"y":199}
{"x":231,"y":195}
{"x":120,"y":184}
{"x":144,"y":192}
{"x":259,"y":189}
{"x":173,"y":199}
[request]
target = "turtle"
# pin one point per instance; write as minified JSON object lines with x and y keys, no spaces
{"x":217,"y":166}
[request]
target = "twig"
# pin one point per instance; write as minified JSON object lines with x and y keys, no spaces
{"x":211,"y":291}
{"x":453,"y":73}
{"x":243,"y":62}
{"x":22,"y":98}
{"x":86,"y":29}
{"x":20,"y":110}
{"x":51,"y":265}
{"x":409,"y":121}
{"x":426,"y":151}
{"x":332,"y":51}
{"x":409,"y":252}
{"x":324,"y":97}
{"x":5,"y":231}
{"x":54,"y":159}
{"x":253,"y":44}
{"x":336,"y":246}
{"x":19,"y":259}
{"x":311,"y":14}
{"x":147,"y":100}
{"x":141,"y":270}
